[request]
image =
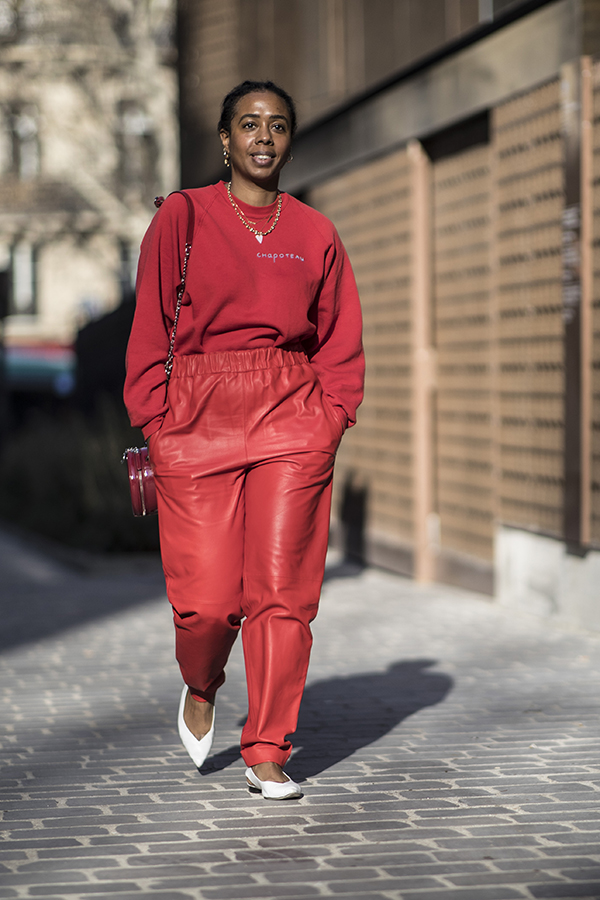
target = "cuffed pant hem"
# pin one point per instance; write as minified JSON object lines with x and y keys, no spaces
{"x":256,"y":755}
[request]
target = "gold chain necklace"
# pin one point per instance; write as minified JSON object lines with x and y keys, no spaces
{"x":259,"y":235}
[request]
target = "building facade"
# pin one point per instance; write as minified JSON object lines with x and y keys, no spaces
{"x":465,"y":189}
{"x":88,"y":136}
{"x":322,"y":51}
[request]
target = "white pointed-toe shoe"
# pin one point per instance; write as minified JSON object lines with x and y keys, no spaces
{"x":273,"y":790}
{"x":198,"y":749}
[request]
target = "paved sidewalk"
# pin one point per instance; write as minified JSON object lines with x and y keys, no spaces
{"x":448,"y":750}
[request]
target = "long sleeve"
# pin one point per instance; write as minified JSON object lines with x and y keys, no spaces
{"x":159,"y":274}
{"x":336,"y":351}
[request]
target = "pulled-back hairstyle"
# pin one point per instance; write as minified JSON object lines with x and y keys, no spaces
{"x":254,"y":87}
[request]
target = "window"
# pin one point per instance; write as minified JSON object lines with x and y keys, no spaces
{"x":19,"y":18}
{"x":8,"y":19}
{"x":486,"y":10}
{"x":129,"y":260}
{"x":25,"y":144}
{"x":23,"y":280}
{"x":138,"y":150}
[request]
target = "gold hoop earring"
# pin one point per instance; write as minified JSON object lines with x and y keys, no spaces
{"x":225,"y":156}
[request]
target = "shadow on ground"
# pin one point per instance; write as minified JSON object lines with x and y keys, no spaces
{"x":43,"y":593}
{"x":341,"y":715}
{"x":46,"y":588}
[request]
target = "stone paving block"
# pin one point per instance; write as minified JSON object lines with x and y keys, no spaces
{"x":574,"y":816}
{"x":204,"y":882}
{"x":260,"y":892}
{"x":83,"y":852}
{"x":509,"y":854}
{"x":546,"y":863}
{"x":323,"y":875}
{"x":190,"y":877}
{"x":547,"y":824}
{"x":263,"y":864}
{"x":360,"y":817}
{"x":30,"y":878}
{"x":55,"y":865}
{"x":586,"y":825}
{"x":157,"y":829}
{"x":581,"y":873}
{"x":13,"y":817}
{"x":142,"y":837}
{"x":510,"y":840}
{"x":135,"y":895}
{"x":54,"y":834}
{"x":501,"y":893}
{"x":388,"y":884}
{"x":201,"y":846}
{"x":43,"y":841}
{"x":575,"y":837}
{"x":358,"y":824}
{"x":380,"y":858}
{"x":113,"y":800}
{"x":589,"y":891}
{"x":372,"y":895}
{"x":256,"y":827}
{"x":481,"y":880}
{"x":224,"y":818}
{"x":304,"y":840}
{"x":64,"y":890}
{"x":454,"y":868}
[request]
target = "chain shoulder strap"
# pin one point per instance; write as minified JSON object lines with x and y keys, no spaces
{"x":181,"y":291}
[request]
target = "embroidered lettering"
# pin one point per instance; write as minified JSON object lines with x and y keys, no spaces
{"x":275,"y":256}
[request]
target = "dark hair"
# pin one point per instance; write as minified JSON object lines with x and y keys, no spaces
{"x":254,"y":87}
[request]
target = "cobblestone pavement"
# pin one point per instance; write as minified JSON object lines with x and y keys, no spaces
{"x":448,"y":749}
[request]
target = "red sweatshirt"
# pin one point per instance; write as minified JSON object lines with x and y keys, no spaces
{"x":296,"y":286}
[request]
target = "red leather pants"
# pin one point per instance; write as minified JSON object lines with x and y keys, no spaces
{"x":243,"y":465}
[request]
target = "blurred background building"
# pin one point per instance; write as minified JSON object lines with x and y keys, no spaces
{"x":88,"y":136}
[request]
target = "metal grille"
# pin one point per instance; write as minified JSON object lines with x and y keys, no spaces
{"x":462,"y":187}
{"x":595,"y":435}
{"x":371,"y":207}
{"x":530,"y":375}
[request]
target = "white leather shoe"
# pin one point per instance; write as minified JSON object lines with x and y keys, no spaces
{"x":273,"y":790}
{"x":198,"y":749}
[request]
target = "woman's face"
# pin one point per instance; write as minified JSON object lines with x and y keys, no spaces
{"x":260,"y":139}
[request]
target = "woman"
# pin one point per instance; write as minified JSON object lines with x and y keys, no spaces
{"x":268,"y":373}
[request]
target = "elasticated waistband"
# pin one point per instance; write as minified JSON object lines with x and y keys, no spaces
{"x":236,"y":361}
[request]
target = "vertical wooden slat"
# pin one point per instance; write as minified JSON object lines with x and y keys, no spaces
{"x":594,"y":199}
{"x":571,"y":297}
{"x":423,"y":364}
{"x":587,"y":287}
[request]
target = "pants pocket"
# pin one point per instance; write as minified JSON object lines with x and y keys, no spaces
{"x":337,"y":422}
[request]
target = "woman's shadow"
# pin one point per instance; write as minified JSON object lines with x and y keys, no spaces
{"x":340,"y":715}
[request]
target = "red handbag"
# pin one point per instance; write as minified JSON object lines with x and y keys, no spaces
{"x":139,"y":466}
{"x":141,"y":481}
